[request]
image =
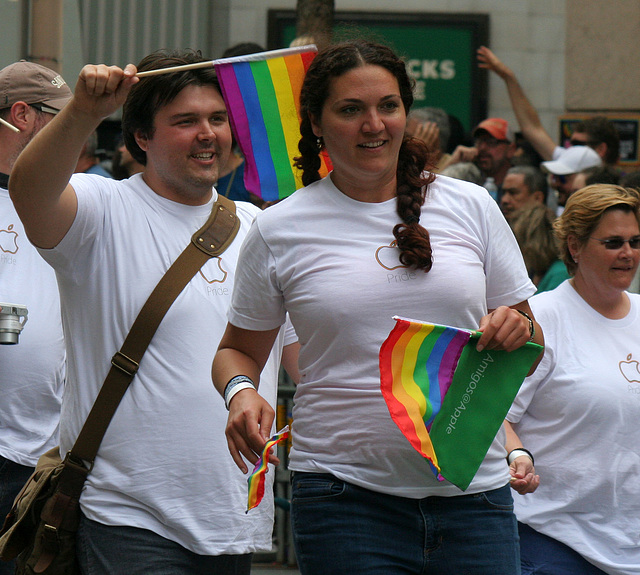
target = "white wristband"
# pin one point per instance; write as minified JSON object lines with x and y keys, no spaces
{"x":237,"y":384}
{"x":518,"y":453}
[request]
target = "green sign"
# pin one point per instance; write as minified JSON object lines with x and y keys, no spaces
{"x":439,"y":49}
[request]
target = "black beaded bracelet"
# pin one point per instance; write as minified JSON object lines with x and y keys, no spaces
{"x":524,"y":452}
{"x":532,"y":327}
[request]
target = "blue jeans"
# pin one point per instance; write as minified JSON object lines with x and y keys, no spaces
{"x":342,"y":529}
{"x":542,"y":555}
{"x":106,"y":550}
{"x":13,"y":476}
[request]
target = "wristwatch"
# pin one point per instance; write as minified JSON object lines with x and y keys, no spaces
{"x":532,"y":328}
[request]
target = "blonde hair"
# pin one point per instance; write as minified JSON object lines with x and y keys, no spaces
{"x":533,"y":228}
{"x":584,"y":210}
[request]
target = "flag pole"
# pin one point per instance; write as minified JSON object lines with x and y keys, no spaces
{"x":245,"y":58}
{"x":184,"y":67}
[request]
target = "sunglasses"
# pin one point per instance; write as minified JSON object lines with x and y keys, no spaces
{"x":489,"y":142}
{"x":617,"y":243}
{"x":583,"y":143}
{"x":44,"y":108}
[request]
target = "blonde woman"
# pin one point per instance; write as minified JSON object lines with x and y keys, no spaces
{"x":578,"y":413}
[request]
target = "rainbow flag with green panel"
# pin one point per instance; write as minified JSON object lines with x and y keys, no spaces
{"x":448,"y":399}
{"x":262,"y":94}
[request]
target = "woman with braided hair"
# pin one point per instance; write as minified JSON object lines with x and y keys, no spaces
{"x":378,"y":237}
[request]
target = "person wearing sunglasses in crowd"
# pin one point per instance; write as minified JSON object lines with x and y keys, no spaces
{"x":564,"y":169}
{"x":598,"y":132}
{"x":492,"y":151}
{"x":578,"y":413}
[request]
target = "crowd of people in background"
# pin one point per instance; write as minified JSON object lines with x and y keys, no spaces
{"x":548,"y":252}
{"x":486,"y":156}
{"x":526,"y":171}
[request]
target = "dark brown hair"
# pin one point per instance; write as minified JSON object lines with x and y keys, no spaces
{"x":412,"y":181}
{"x":153,"y":92}
{"x":600,"y":129}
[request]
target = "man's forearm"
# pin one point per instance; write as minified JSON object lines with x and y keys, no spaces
{"x":39,"y":184}
{"x":528,"y":118}
{"x":43,"y":169}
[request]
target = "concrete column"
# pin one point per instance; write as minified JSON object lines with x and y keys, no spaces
{"x":46,"y":33}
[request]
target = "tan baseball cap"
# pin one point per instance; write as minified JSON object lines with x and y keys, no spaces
{"x":32,"y":84}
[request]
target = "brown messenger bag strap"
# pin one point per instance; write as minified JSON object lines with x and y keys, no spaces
{"x":209,"y":241}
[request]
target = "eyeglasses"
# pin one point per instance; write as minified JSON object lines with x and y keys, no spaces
{"x":44,"y":108}
{"x":489,"y":142}
{"x":617,"y":243}
{"x":590,"y":143}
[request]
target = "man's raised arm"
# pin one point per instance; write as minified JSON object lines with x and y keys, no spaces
{"x":39,"y":183}
{"x":527,"y":116}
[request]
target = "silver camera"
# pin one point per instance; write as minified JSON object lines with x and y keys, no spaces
{"x":12,"y":319}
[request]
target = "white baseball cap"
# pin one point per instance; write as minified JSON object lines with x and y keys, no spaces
{"x":573,"y":160}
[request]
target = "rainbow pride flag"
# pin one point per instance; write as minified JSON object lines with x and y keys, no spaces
{"x":262,"y":94}
{"x":257,"y":478}
{"x":448,"y":399}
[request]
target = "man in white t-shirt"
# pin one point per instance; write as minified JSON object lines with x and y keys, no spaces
{"x":31,"y":372}
{"x":164,"y":495}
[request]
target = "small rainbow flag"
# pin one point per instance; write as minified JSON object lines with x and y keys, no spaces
{"x":448,"y":399}
{"x":262,"y":94}
{"x":257,"y":478}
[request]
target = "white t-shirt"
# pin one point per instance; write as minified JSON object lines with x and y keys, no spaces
{"x":330,"y":261}
{"x":164,"y":464}
{"x":579,"y":415}
{"x":31,"y":372}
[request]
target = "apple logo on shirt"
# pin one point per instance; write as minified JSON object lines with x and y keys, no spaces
{"x":9,"y":240}
{"x":630,"y":369}
{"x":214,"y":273}
{"x":387,"y":256}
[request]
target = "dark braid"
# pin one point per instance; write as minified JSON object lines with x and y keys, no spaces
{"x":309,"y":160}
{"x":411,"y":238}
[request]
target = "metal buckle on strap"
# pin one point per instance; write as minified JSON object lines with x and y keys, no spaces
{"x":125,"y":364}
{"x":218,"y":232}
